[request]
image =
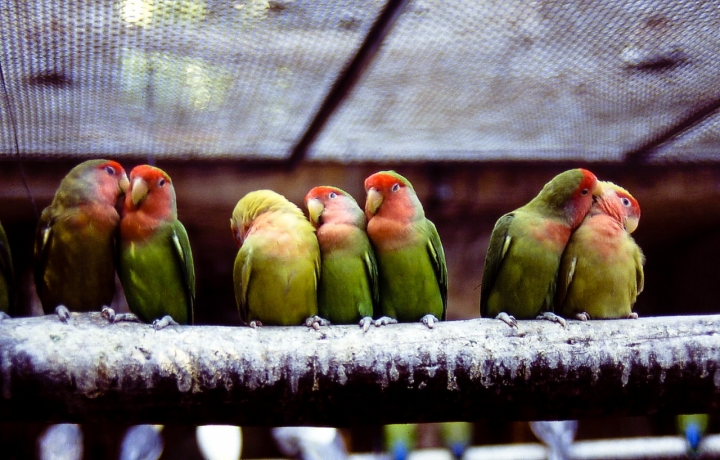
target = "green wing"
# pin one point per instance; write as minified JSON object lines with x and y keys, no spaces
{"x":437,"y":258}
{"x":371,"y":271}
{"x":6,"y":268}
{"x":497,"y":248}
{"x":181,"y":244}
{"x":43,"y":238}
{"x":241,"y":279}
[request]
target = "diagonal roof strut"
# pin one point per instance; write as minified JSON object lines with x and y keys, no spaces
{"x":348,"y":78}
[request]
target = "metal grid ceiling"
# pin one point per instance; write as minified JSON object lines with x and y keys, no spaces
{"x":467,"y":80}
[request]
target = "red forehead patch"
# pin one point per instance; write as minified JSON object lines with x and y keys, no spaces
{"x":148,"y":173}
{"x":382,"y":181}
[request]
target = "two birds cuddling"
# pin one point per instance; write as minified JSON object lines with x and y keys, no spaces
{"x":566,"y":253}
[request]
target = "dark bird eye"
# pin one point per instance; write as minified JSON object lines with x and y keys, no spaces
{"x":395,"y":187}
{"x":110,"y":170}
{"x":161,"y":182}
{"x":585,"y":191}
{"x":332,"y":195}
{"x":626,"y":202}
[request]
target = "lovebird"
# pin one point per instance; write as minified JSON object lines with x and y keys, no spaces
{"x":601,"y":272}
{"x":155,"y":261}
{"x":412,"y":270}
{"x":75,"y":241}
{"x":7,"y":277}
{"x":521,"y":265}
{"x":348,"y":288}
{"x":277,"y":267}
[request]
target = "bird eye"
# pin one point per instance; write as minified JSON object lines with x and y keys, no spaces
{"x":626,"y":202}
{"x":332,"y":195}
{"x":110,"y":170}
{"x":585,"y":191}
{"x":395,"y":187}
{"x":161,"y":182}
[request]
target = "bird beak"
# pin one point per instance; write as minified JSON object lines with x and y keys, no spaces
{"x":597,"y":191}
{"x":373,"y":202}
{"x":315,"y":209}
{"x":124,"y":184}
{"x":237,"y":235}
{"x":138,"y":191}
{"x":631,"y":224}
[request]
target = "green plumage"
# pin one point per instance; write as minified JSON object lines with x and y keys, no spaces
{"x":348,"y":284}
{"x":348,"y":289}
{"x":413,"y":279}
{"x":601,"y":272}
{"x":75,"y":239}
{"x":158,"y":275}
{"x":278,"y":264}
{"x":155,"y":264}
{"x":7,"y":275}
{"x":411,"y":261}
{"x":528,"y":278}
{"x":521,"y":264}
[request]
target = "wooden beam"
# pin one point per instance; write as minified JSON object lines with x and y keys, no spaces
{"x":89,"y":370}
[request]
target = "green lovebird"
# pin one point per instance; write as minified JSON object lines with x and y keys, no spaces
{"x":411,"y":261}
{"x":75,"y":239}
{"x":348,"y":289}
{"x":521,"y":266}
{"x":278,"y":264}
{"x":601,"y":273}
{"x":155,"y":263}
{"x":7,"y":277}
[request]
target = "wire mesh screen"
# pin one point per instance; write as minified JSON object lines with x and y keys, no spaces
{"x":461,"y":80}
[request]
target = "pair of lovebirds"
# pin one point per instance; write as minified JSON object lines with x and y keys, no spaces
{"x":567,"y":251}
{"x":100,"y":221}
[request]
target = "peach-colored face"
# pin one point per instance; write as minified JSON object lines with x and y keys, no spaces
{"x":151,"y":189}
{"x":112,"y":181}
{"x":631,"y":207}
{"x":582,"y":197}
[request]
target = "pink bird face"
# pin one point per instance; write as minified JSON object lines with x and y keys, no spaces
{"x":628,"y":206}
{"x":152,"y":191}
{"x":331,"y":204}
{"x":389,"y":195}
{"x":112,"y":181}
{"x":582,"y":198}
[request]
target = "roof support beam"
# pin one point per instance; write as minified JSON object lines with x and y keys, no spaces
{"x":348,"y":78}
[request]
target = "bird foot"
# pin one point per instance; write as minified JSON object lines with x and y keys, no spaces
{"x":507,"y":319}
{"x":164,"y":322}
{"x":315,"y":322}
{"x":255,"y":324}
{"x":583,"y":316}
{"x":384,"y":321}
{"x":4,"y":316}
{"x":550,"y":316}
{"x":429,"y":320}
{"x":632,"y":315}
{"x":112,"y":317}
{"x":365,"y":323}
{"x":63,"y":313}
